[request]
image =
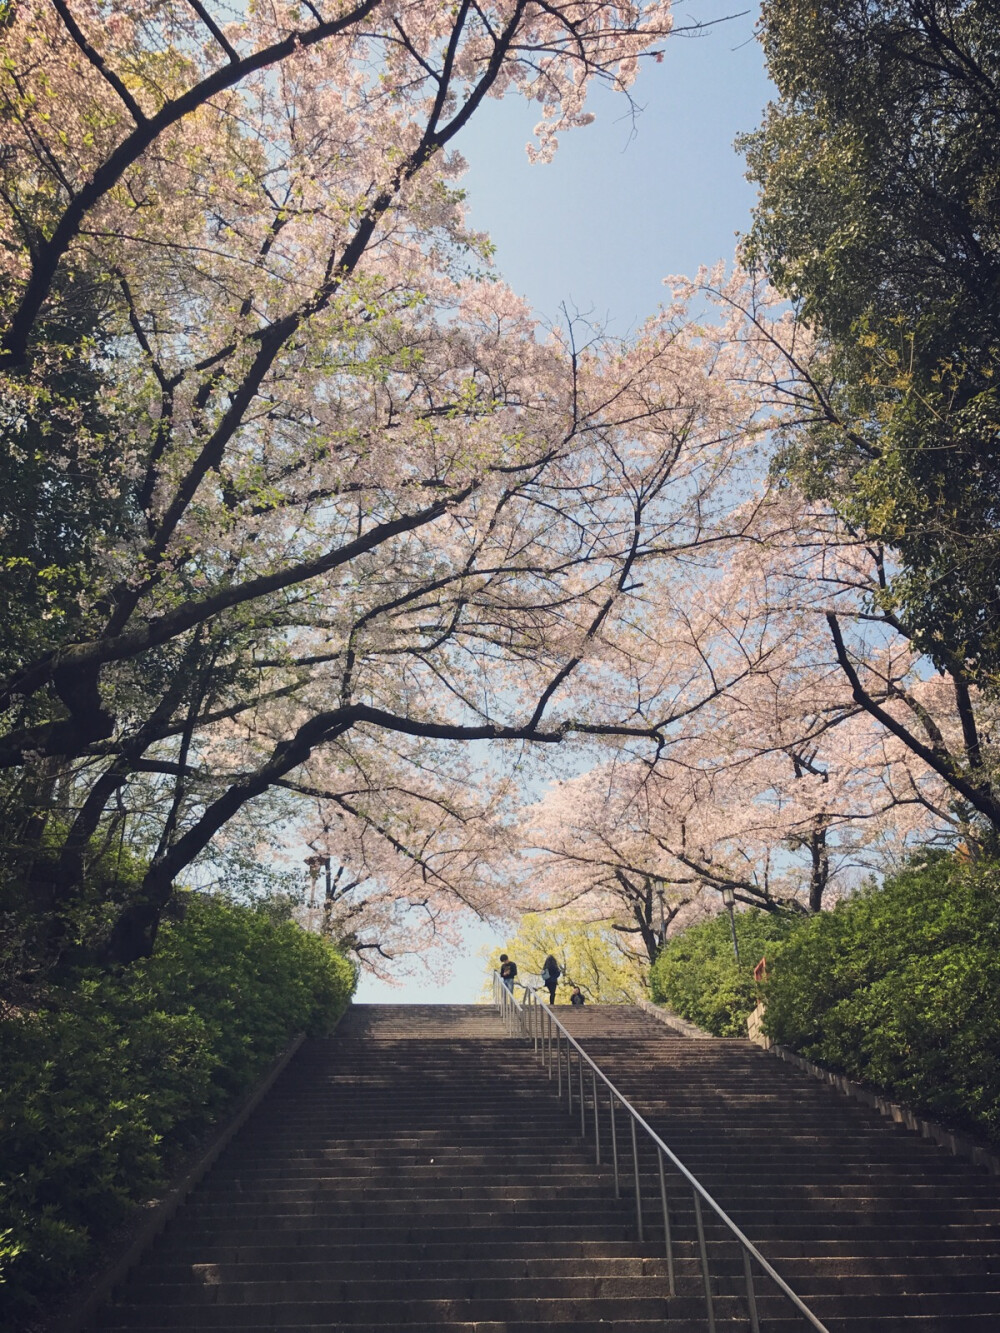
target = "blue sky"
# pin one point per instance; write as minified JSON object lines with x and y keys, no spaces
{"x":626,"y":202}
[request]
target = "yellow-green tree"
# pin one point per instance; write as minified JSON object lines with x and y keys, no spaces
{"x":588,"y":954}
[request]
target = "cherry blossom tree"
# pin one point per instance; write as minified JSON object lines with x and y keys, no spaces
{"x":409,"y":840}
{"x":784,"y":786}
{"x":356,"y":500}
{"x":592,"y":856}
{"x":824,"y":566}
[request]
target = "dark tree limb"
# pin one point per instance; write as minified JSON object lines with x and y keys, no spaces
{"x":978,"y":796}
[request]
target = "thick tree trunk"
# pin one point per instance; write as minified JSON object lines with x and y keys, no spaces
{"x":134,"y":933}
{"x":819,"y":875}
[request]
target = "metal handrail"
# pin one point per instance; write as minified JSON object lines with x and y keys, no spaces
{"x":535,"y":1018}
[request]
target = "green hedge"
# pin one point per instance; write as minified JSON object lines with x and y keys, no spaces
{"x":107,"y":1085}
{"x":697,"y":975}
{"x":899,"y":987}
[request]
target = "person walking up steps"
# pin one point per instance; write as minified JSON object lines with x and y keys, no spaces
{"x":550,"y":977}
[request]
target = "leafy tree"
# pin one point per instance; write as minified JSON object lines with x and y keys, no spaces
{"x":697,"y":974}
{"x":588,"y":953}
{"x":879,"y":218}
{"x":62,"y":492}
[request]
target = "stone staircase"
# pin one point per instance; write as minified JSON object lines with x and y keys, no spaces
{"x":416,"y":1171}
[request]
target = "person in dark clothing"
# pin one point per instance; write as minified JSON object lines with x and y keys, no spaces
{"x":550,"y":977}
{"x":508,"y":971}
{"x":577,"y":996}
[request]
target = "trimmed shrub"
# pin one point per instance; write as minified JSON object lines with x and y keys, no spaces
{"x":698,"y":977}
{"x":105,"y":1087}
{"x":899,"y":987}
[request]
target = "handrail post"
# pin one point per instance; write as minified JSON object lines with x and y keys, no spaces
{"x":704,"y":1261}
{"x":597,"y":1120}
{"x":638,"y":1187}
{"x":548,"y":1024}
{"x":751,"y":1297}
{"x":569,"y":1076}
{"x":559,"y":1064}
{"x":666,"y":1225}
{"x":583,"y":1104}
{"x":614,"y":1144}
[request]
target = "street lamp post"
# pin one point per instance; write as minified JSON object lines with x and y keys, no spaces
{"x":729,"y":900}
{"x":314,"y":864}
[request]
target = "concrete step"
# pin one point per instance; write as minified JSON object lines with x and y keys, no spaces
{"x":512,"y":1308}
{"x":296,"y":1286}
{"x":457,"y":1247}
{"x":617,"y":1325}
{"x":442,"y":1268}
{"x":297,"y":1283}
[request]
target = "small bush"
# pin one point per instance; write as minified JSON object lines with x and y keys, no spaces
{"x":116,"y":1076}
{"x":899,"y":986}
{"x":697,"y":974}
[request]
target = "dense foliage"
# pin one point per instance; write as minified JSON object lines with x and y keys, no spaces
{"x":115,"y":1077}
{"x":698,"y":976}
{"x":898,"y":987}
{"x":55,"y":509}
{"x":879,"y":216}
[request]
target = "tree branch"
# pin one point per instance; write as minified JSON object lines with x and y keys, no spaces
{"x":942,"y":764}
